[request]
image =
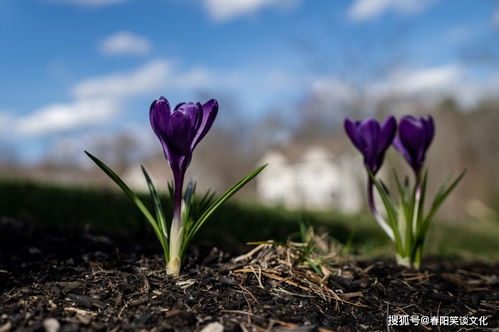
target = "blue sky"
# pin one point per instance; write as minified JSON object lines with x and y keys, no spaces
{"x":75,"y":70}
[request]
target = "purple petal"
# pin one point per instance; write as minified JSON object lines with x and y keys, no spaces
{"x":193,"y":111}
{"x":210,"y":110}
{"x":429,"y":130}
{"x":159,"y":114}
{"x":181,"y":129}
{"x":178,"y":106}
{"x":397,"y":144}
{"x":352,"y":131}
{"x":369,"y":130}
{"x":388,"y":130}
{"x":412,"y":133}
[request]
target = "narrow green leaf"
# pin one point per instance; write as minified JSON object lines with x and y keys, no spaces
{"x":412,"y":198}
{"x":405,"y":215}
{"x":391,"y":210}
{"x":422,"y":199}
{"x":136,"y":200}
{"x":404,"y":196}
{"x":189,"y":192}
{"x":215,"y":205}
{"x":314,"y":266}
{"x":206,"y":200}
{"x":398,"y":183}
{"x":439,"y":199}
{"x":418,"y":196}
{"x":158,"y":207}
{"x":189,"y":206}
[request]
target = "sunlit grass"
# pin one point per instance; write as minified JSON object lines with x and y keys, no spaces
{"x":110,"y":211}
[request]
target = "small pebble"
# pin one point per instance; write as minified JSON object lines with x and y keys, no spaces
{"x":51,"y":325}
{"x":5,"y":327}
{"x":213,"y":327}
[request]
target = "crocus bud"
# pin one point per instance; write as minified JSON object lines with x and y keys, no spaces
{"x":181,"y":130}
{"x":372,"y":139}
{"x":413,"y":140}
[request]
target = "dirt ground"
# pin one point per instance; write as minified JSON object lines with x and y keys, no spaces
{"x":55,"y":280}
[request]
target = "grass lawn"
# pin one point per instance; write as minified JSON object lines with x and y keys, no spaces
{"x":111,"y":211}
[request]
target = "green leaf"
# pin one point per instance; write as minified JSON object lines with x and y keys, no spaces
{"x":189,"y":192}
{"x":158,"y":207}
{"x":442,"y":194}
{"x":215,"y":205}
{"x":404,"y":196}
{"x":188,"y":205}
{"x":206,"y":200}
{"x":412,"y":198}
{"x":136,"y":200}
{"x":391,"y":210}
{"x":418,"y":211}
{"x":405,"y":211}
{"x":400,"y":189}
{"x":422,"y":199}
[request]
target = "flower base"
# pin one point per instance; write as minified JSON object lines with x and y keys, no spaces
{"x":406,"y":261}
{"x":173,"y":267}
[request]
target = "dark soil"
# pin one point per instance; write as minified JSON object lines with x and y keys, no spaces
{"x":79,"y":281}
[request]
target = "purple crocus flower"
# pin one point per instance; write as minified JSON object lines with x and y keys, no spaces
{"x":372,"y":139}
{"x":414,"y":139}
{"x":179,"y":132}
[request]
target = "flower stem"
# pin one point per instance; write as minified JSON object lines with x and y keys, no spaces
{"x":404,"y":260}
{"x":417,"y":200}
{"x":174,"y":262}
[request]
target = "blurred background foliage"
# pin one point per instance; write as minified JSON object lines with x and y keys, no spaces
{"x":110,"y":212}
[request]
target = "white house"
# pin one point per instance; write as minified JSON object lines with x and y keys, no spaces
{"x":311,"y":177}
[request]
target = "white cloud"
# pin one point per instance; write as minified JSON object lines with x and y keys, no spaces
{"x":424,"y":85}
{"x":5,"y":118}
{"x":146,"y":79}
{"x":332,"y":91}
{"x":96,"y":101}
{"x":194,"y":78}
{"x":469,"y":92}
{"x":89,"y":3}
{"x":63,"y":117}
{"x":153,"y":77}
{"x":125,"y":43}
{"x":222,"y":10}
{"x":99,"y":99}
{"x":362,"y":10}
{"x":426,"y":80}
